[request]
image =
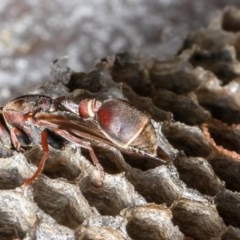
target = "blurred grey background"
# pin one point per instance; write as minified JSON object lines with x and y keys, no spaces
{"x":35,"y":32}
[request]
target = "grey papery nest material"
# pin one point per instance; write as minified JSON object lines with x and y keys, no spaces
{"x":193,"y":99}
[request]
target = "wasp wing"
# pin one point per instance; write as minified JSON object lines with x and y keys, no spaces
{"x":70,"y":126}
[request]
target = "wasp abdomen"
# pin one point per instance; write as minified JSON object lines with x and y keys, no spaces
{"x":125,"y":124}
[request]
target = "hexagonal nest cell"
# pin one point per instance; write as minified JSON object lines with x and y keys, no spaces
{"x":189,"y":190}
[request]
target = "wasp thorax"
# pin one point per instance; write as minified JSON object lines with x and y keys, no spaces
{"x":89,"y":107}
{"x":28,"y":103}
{"x":21,"y":109}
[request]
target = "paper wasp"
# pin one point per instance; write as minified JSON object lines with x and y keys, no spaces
{"x":30,"y":119}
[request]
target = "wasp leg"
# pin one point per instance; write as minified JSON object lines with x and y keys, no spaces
{"x":13,"y":134}
{"x":98,"y":166}
{"x":87,"y":146}
{"x":42,"y":162}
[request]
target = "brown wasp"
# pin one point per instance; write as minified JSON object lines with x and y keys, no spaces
{"x":31,"y":119}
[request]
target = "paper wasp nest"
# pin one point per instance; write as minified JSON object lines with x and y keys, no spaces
{"x":194,"y":101}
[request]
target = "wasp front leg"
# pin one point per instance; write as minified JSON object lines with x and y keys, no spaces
{"x":15,"y":135}
{"x":41,"y":165}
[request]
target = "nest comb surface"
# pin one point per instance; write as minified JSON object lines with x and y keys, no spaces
{"x":194,"y":101}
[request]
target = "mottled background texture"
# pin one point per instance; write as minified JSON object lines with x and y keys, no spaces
{"x":35,"y":32}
